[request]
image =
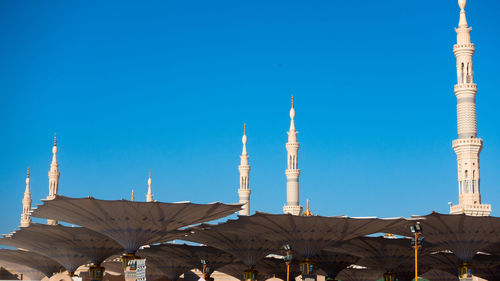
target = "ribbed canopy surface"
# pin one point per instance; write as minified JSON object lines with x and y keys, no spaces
{"x":164,"y":259}
{"x":487,"y":267}
{"x":194,"y":254}
{"x":27,"y":272}
{"x":273,"y":267}
{"x":234,"y":269}
{"x":354,"y":274}
{"x":245,"y":245}
{"x":32,"y":260}
{"x":439,"y":275}
{"x":463,"y":235}
{"x":132,"y":224}
{"x":332,"y":263}
{"x":309,"y":235}
{"x":70,"y":246}
{"x":377,"y":252}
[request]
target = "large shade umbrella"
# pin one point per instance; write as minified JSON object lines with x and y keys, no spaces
{"x":130,"y":223}
{"x":35,"y":261}
{"x":461,"y":234}
{"x":69,"y":246}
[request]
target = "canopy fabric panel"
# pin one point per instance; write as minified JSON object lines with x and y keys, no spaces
{"x":70,"y":246}
{"x":130,"y":223}
{"x":38,"y":262}
{"x":462,"y":234}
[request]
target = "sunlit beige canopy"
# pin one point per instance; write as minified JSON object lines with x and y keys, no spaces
{"x":27,"y":272}
{"x":167,"y":261}
{"x":130,"y":223}
{"x":332,"y":263}
{"x":308,"y":235}
{"x":439,"y":275}
{"x":463,"y":235}
{"x":356,"y":274}
{"x":35,"y":261}
{"x":247,"y":246}
{"x":234,"y":269}
{"x":70,"y":246}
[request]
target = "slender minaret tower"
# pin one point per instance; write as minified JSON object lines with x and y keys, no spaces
{"x":244,"y":168}
{"x":149,"y":195}
{"x":53,"y":177}
{"x":468,"y":145}
{"x":132,"y":197}
{"x":26,"y":215}
{"x":292,"y":172}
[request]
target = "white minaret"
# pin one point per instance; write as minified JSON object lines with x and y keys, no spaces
{"x":468,"y":145}
{"x":26,"y":215}
{"x":244,"y":168}
{"x":292,"y":172}
{"x":149,"y":195}
{"x":53,"y":177}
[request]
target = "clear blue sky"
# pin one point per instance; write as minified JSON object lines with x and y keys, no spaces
{"x":167,"y":85}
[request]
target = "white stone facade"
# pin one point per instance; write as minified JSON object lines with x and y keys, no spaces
{"x":468,"y":145}
{"x":292,"y":172}
{"x":244,"y":168}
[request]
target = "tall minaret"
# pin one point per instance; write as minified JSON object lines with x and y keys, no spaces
{"x":149,"y":195}
{"x":244,"y":168}
{"x":292,"y":172}
{"x":468,"y":145}
{"x":26,"y":215}
{"x":53,"y":177}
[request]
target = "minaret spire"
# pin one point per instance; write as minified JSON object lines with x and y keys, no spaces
{"x":53,"y":177}
{"x":292,"y":172}
{"x":468,"y":145}
{"x":132,"y":197}
{"x":26,"y":215}
{"x":244,"y":191}
{"x":149,"y":196}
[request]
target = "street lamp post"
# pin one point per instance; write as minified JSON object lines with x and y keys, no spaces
{"x":288,"y":260}
{"x":416,"y":243}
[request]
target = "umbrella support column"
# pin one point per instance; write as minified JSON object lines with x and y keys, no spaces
{"x":465,"y":271}
{"x":307,"y":270}
{"x":96,"y":272}
{"x":250,"y":274}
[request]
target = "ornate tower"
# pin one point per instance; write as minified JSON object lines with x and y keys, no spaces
{"x":292,"y":172}
{"x":244,"y":191}
{"x":26,"y":215}
{"x":53,"y":177}
{"x":149,"y":195}
{"x":468,"y":145}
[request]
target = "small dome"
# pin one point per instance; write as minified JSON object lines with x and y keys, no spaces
{"x":292,"y":113}
{"x":244,"y":139}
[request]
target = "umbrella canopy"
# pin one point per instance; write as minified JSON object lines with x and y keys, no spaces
{"x":245,"y":245}
{"x":487,"y":267}
{"x":332,"y":263}
{"x":171,"y":260}
{"x":462,"y":234}
{"x":274,"y":267}
{"x":379,"y":252}
{"x":70,"y":246}
{"x":35,"y":261}
{"x":308,"y":235}
{"x":358,"y":274}
{"x":130,"y":223}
